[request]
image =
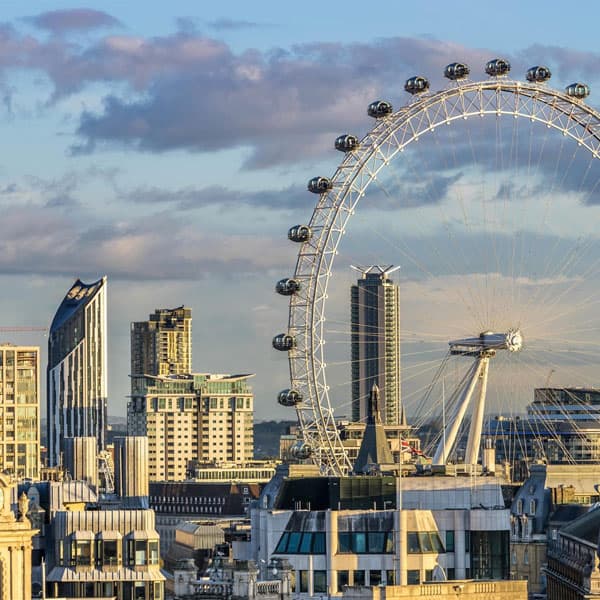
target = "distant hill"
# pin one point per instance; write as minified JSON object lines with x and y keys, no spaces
{"x":266,"y":437}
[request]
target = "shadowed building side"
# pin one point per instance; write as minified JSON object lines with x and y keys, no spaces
{"x":162,"y":345}
{"x":76,"y":374}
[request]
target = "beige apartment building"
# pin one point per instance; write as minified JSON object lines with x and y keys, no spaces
{"x":162,"y":345}
{"x":20,"y":410}
{"x":206,"y":418}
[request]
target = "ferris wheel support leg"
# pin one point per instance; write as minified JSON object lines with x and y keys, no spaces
{"x":449,"y":438}
{"x":474,"y":440}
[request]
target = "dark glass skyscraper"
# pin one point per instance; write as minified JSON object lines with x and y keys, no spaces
{"x":76,"y":375}
{"x":375,"y":343}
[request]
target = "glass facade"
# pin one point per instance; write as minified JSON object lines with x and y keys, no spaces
{"x":76,"y":375}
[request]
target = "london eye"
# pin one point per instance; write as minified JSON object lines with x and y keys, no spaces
{"x":505,"y":165}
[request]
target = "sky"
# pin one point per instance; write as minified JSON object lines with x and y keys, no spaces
{"x":169,"y":147}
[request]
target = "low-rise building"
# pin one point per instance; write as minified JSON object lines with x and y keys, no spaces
{"x":176,"y":502}
{"x":573,"y":569}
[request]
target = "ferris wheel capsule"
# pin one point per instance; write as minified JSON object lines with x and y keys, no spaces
{"x":578,"y":90}
{"x":299,"y":233}
{"x":289,"y":397}
{"x":319,"y":185}
{"x":346,"y":143}
{"x":301,"y":451}
{"x":538,"y":74}
{"x":287,"y":287}
{"x":284,"y":342}
{"x":416,"y":85}
{"x":455,"y":71}
{"x":379,"y":109}
{"x":497,"y":67}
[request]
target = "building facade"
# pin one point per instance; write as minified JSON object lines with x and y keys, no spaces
{"x":162,"y":345}
{"x":76,"y":374}
{"x":20,"y":410}
{"x":177,"y":502}
{"x":375,"y":343}
{"x":573,"y":567}
{"x":349,"y":531}
{"x":206,"y":418}
{"x":16,"y":545}
{"x":560,"y":428}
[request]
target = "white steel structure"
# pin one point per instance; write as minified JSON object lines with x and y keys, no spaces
{"x":339,"y":196}
{"x":482,"y":348}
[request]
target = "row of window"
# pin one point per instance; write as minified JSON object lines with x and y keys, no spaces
{"x":364,"y":542}
{"x":109,"y":553}
{"x":295,"y":542}
{"x":359,"y":578}
{"x":190,"y":499}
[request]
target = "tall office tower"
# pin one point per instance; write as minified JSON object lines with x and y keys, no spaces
{"x":76,"y":376}
{"x":375,"y":343}
{"x":162,"y":345}
{"x":195,"y":417}
{"x":20,"y":410}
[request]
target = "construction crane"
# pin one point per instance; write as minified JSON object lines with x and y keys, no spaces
{"x":23,"y":329}
{"x":106,"y":469}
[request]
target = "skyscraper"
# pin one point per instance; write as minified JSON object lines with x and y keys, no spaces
{"x":162,"y":345}
{"x":20,"y":410}
{"x":375,"y":343}
{"x":76,"y":377}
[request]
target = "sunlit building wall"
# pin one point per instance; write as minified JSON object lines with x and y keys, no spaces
{"x":200,"y":418}
{"x":20,"y":410}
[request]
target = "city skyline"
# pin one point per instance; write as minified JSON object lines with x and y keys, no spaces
{"x":197,"y":215}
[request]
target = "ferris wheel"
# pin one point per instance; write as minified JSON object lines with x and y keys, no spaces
{"x":505,"y":131}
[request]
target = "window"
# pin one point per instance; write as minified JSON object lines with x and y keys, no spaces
{"x":283,"y":542}
{"x":344,"y":542}
{"x":362,"y":542}
{"x":305,"y":544}
{"x":342,"y":580}
{"x":140,"y":552}
{"x":318,"y":546}
{"x":374,"y":577}
{"x":109,"y":553}
{"x":359,"y":578}
{"x":320,"y":582}
{"x":303,"y":582}
{"x":294,"y":542}
{"x":450,"y":541}
{"x":425,"y":541}
{"x":153,"y":553}
{"x":81,"y":553}
{"x":428,"y":574}
{"x":139,"y":590}
{"x":413,"y":577}
{"x":376,"y":542}
{"x":413,"y":543}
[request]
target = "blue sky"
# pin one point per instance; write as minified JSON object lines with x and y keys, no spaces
{"x":169,"y":147}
